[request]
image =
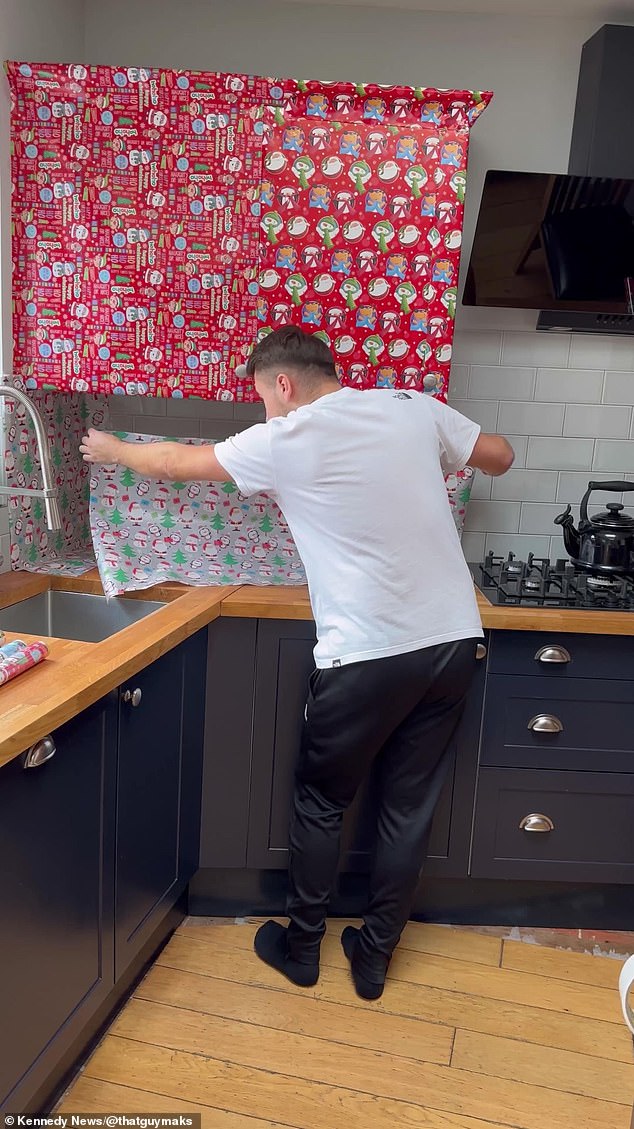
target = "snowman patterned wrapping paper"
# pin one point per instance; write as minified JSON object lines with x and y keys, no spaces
{"x":164,"y":220}
{"x":198,"y":533}
{"x":146,"y":532}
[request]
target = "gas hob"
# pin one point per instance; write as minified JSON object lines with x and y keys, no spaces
{"x":539,"y":582}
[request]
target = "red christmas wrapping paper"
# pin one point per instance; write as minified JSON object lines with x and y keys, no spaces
{"x":163,"y":219}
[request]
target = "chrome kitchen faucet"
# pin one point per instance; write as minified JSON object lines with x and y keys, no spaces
{"x":49,"y":491}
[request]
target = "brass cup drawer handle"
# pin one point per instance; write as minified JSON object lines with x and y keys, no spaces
{"x":537,"y":822}
{"x":545,"y":723}
{"x":553,"y":654}
{"x":133,"y":696}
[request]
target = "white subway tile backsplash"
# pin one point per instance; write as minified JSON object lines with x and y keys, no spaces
{"x":531,"y":419}
{"x":148,"y":405}
{"x":519,"y":443}
{"x":581,"y":386}
{"x":537,"y":517}
{"x":5,"y":553}
{"x":525,"y":485}
{"x":558,"y":549}
{"x":519,"y":543}
{"x":496,"y":383}
{"x":566,"y":405}
{"x":163,"y":425}
{"x":572,"y":485}
{"x":459,"y":382}
{"x":496,"y":517}
{"x":484,"y":412}
{"x":597,"y":421}
{"x":564,"y":401}
{"x":136,"y":405}
{"x":564,"y":454}
{"x":221,"y":429}
{"x":619,"y":388}
{"x":544,"y":349}
{"x":477,"y":348}
{"x":254,"y":412}
{"x":473,"y":546}
{"x":200,"y":409}
{"x":602,"y":352}
{"x":614,"y":455}
{"x":481,"y":488}
{"x":120,"y":422}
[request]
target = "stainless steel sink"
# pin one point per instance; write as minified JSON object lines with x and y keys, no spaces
{"x":74,"y":615}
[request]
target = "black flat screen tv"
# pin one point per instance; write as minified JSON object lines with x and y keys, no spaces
{"x":553,"y":242}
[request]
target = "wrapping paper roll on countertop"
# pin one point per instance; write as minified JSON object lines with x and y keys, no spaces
{"x":18,"y":656}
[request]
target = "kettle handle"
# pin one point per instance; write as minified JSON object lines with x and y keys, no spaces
{"x":618,"y":487}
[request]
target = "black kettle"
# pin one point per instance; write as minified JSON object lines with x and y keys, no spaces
{"x":602,"y":544}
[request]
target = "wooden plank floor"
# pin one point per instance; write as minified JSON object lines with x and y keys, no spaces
{"x":472,"y":1032}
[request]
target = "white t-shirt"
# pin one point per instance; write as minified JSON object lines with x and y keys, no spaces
{"x":359,"y":477}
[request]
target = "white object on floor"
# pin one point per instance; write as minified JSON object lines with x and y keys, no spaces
{"x":626,"y":979}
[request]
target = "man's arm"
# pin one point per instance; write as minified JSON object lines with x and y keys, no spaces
{"x":169,"y":461}
{"x":492,"y":454}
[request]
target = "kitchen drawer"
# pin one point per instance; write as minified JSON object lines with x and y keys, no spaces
{"x":514,"y":652}
{"x":592,"y":814}
{"x":597,"y":720}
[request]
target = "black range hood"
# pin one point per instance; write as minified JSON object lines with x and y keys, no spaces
{"x":602,"y":145}
{"x":563,"y":243}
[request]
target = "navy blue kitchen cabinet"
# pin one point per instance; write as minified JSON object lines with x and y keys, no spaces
{"x":159,"y":770}
{"x":56,"y":893}
{"x":251,"y":753}
{"x":555,"y":790}
{"x":97,"y":846}
{"x":284,"y":660}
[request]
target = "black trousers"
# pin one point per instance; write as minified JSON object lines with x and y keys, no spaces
{"x":396,"y":715}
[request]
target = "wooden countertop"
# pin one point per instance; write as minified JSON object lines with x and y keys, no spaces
{"x":293,"y":603}
{"x":77,"y":674}
{"x":268,"y":603}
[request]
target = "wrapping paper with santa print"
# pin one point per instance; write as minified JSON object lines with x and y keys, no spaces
{"x":199,"y":533}
{"x":459,"y":488}
{"x":139,"y":228}
{"x":147,"y":531}
{"x":362,"y":209}
{"x":66,"y":418}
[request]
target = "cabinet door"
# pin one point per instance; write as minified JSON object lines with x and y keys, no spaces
{"x":284,"y":661}
{"x":56,"y":888}
{"x":230,"y":694}
{"x":148,"y":802}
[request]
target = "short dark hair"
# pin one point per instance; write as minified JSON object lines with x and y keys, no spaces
{"x":290,"y":348}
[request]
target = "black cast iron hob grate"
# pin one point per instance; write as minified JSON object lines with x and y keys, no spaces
{"x":538,"y":582}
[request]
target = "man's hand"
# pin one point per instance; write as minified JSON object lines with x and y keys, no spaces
{"x":99,"y":447}
{"x":172,"y":462}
